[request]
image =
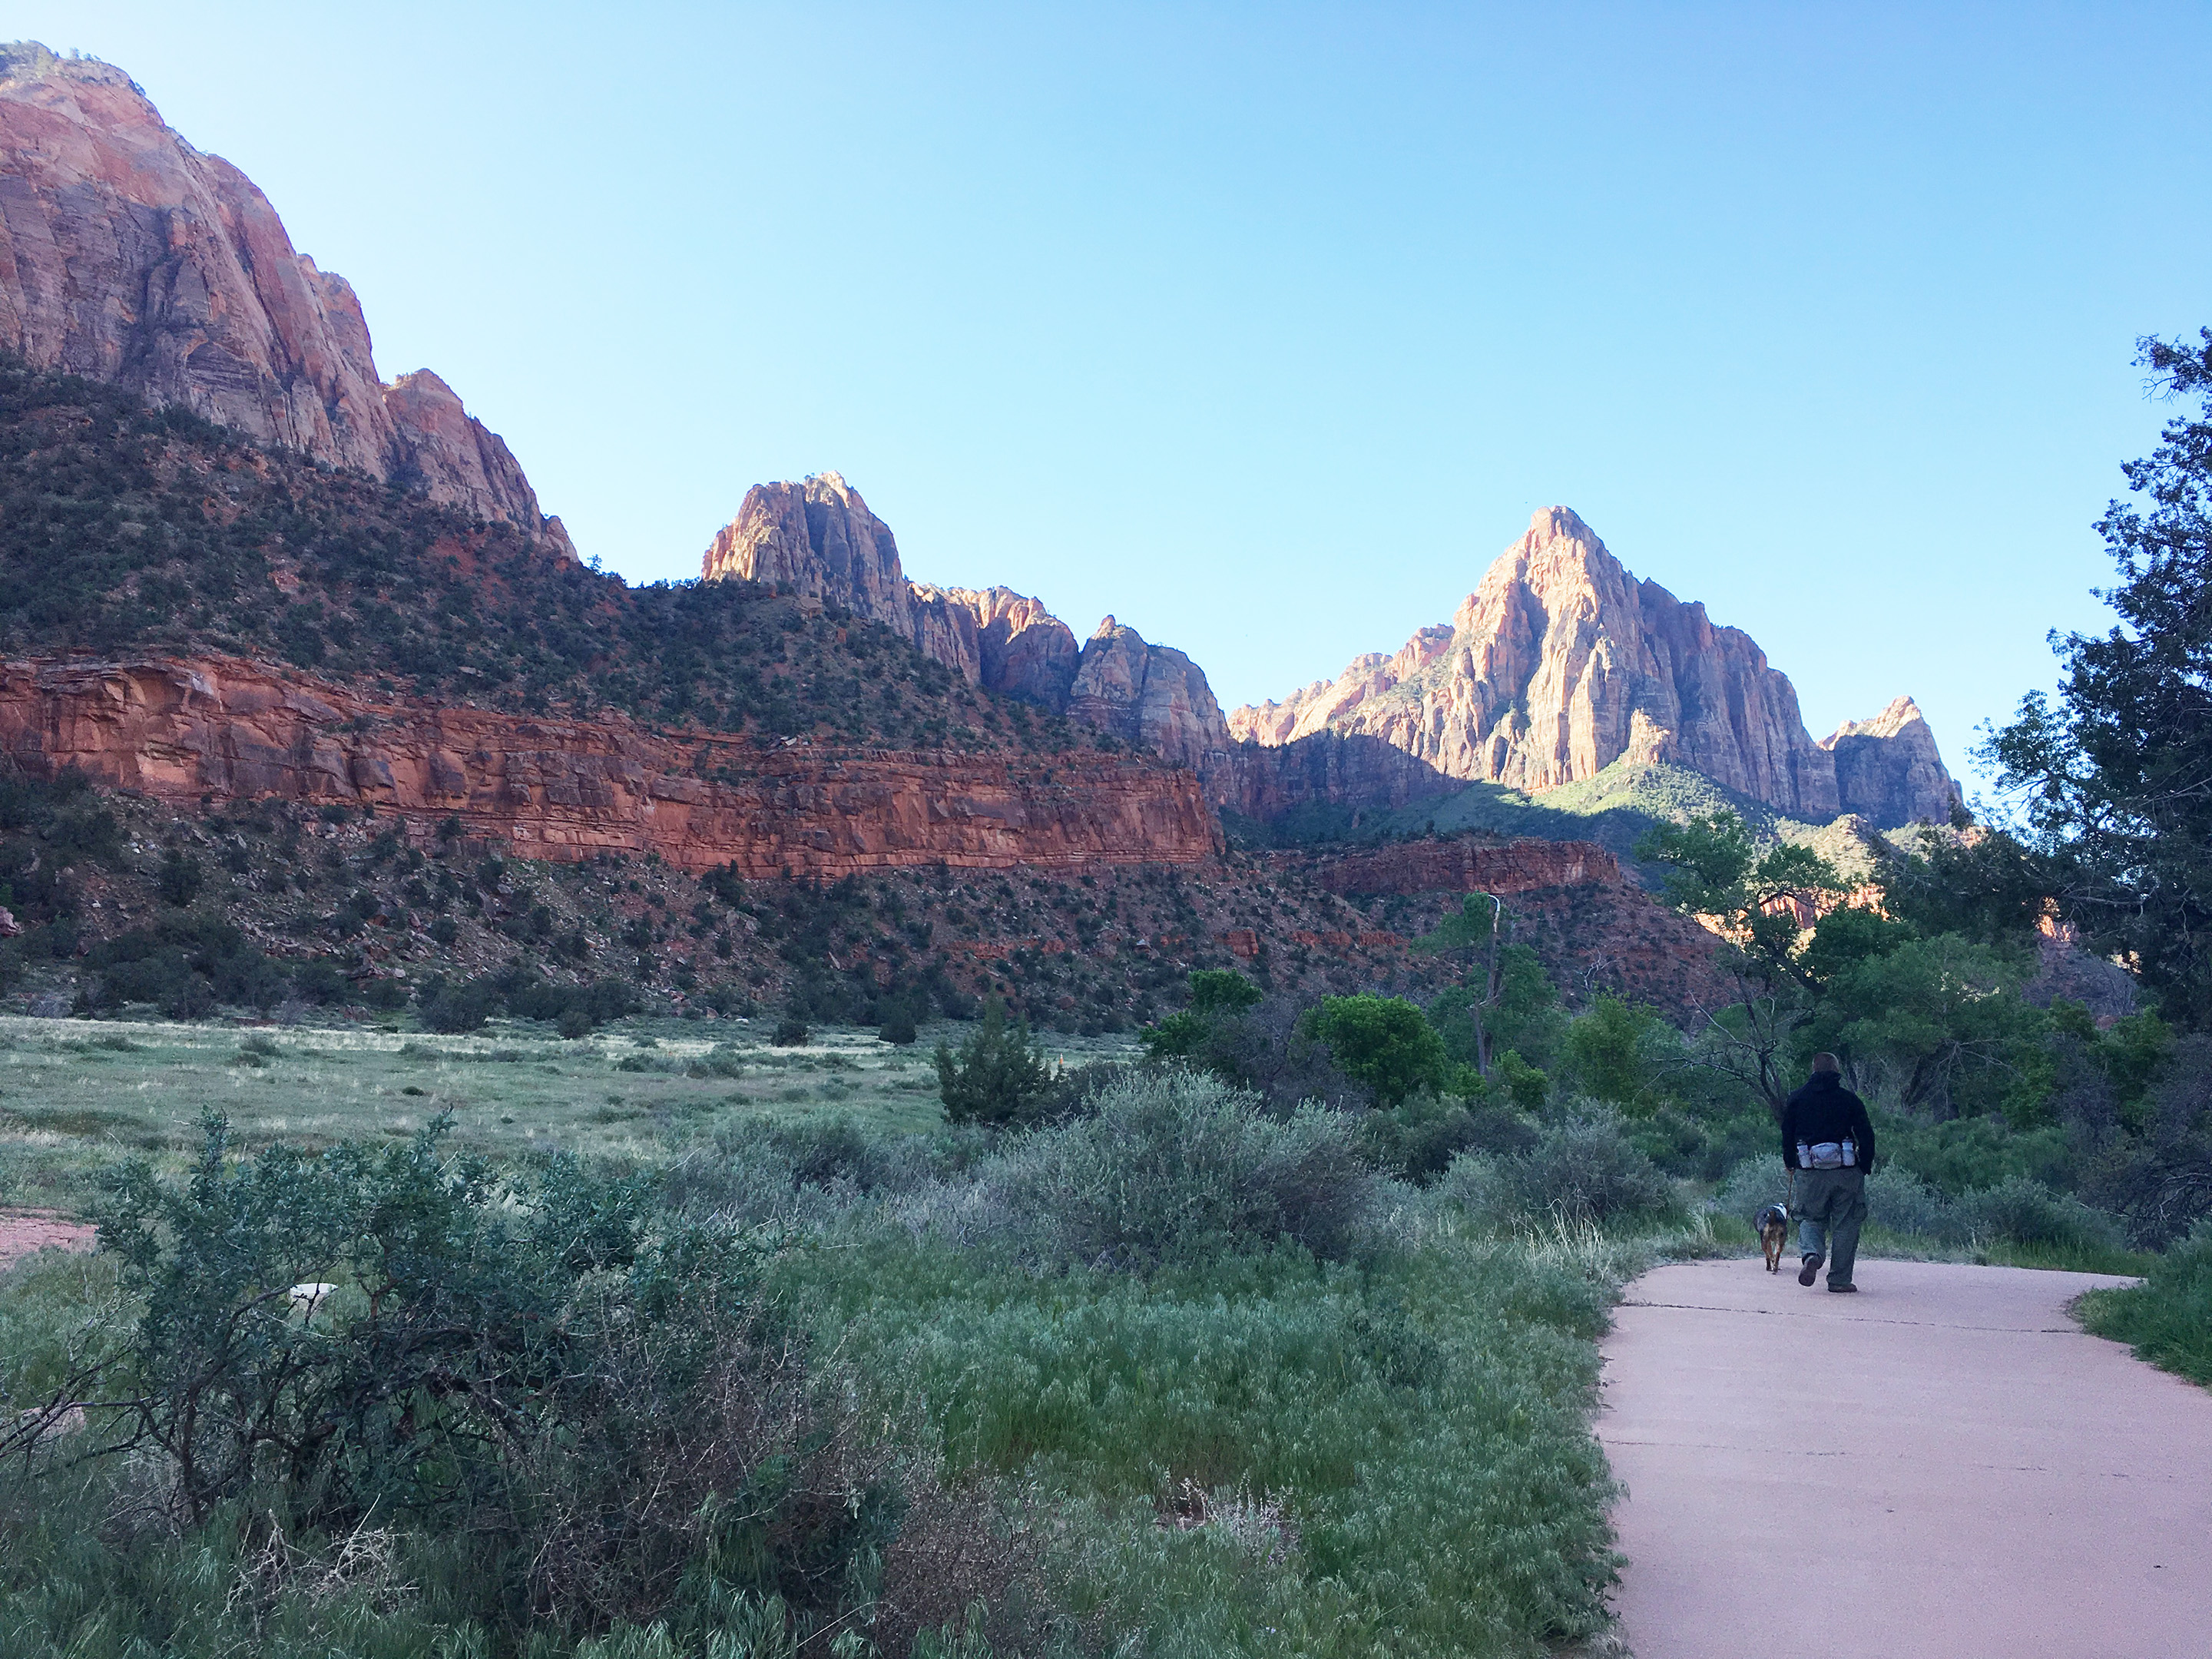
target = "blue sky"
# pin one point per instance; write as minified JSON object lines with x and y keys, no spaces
{"x":1265,"y":327}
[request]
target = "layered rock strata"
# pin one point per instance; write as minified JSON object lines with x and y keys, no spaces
{"x":1562,"y":662}
{"x":126,"y":256}
{"x":216,"y":730}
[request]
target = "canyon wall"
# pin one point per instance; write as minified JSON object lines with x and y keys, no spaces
{"x":1562,"y":662}
{"x":126,"y":256}
{"x":216,"y":731}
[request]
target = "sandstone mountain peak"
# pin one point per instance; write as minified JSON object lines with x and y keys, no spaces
{"x":129,"y":256}
{"x":1562,"y":662}
{"x":817,"y":537}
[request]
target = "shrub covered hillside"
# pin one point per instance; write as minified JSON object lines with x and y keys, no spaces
{"x":129,"y":908}
{"x":127,"y":530}
{"x":1171,"y":1376}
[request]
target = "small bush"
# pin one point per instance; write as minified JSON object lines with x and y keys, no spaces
{"x":2024,"y":1212}
{"x":1000,"y":1074}
{"x":1179,"y":1166}
{"x":1417,"y":1138}
{"x":720,"y":1060}
{"x":1583,"y":1169}
{"x":455,"y":1008}
{"x":1904,"y":1203}
{"x":181,"y":879}
{"x":790,"y":1034}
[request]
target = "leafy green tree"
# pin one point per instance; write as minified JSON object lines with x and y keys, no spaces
{"x":999,"y":1075}
{"x":1941,"y":1023}
{"x":1218,"y":991}
{"x":1387,"y":1044}
{"x":1607,"y":1052}
{"x":1218,"y":995}
{"x":1761,"y":904}
{"x":1982,"y":883}
{"x":2113,"y":778}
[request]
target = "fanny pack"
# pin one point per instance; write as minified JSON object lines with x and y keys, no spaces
{"x":1828,"y":1155}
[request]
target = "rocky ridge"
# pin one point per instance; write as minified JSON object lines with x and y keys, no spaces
{"x":817,"y":537}
{"x":1561,"y":662}
{"x":128,"y":257}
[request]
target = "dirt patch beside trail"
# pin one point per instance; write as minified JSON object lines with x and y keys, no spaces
{"x":25,"y":1232}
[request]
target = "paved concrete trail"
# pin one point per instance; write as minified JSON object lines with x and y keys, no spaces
{"x":1943,"y":1465}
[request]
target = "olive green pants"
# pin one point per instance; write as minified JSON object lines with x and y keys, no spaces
{"x":1831,"y":1205}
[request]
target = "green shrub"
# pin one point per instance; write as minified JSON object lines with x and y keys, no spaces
{"x":1178,"y":1166}
{"x":1583,"y":1169}
{"x":790,"y":1034}
{"x":580,"y":1403}
{"x":2024,"y":1212}
{"x":1000,"y":1074}
{"x":181,"y":879}
{"x":1387,"y":1044}
{"x":454,"y":1008}
{"x":1419,"y":1137}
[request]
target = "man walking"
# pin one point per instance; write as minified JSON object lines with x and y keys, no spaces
{"x":1826,"y":1138}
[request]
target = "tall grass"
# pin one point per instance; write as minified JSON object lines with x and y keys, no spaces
{"x":1178,"y":1377}
{"x":2167,"y":1319}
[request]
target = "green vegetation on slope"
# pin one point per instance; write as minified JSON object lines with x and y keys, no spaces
{"x":1621,"y":805}
{"x":124,"y":529}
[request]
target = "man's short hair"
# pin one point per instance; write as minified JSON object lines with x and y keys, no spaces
{"x":1825,"y":1061}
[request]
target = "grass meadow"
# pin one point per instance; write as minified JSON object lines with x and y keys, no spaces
{"x":75,"y":1095}
{"x":777,"y":1363}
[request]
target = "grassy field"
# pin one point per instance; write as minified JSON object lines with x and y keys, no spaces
{"x":73,"y":1095}
{"x":1171,"y":1377}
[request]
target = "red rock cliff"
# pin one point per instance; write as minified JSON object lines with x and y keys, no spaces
{"x":129,"y":256}
{"x":222,"y":730}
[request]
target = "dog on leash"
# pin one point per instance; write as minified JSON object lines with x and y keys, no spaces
{"x":1773,"y":1224}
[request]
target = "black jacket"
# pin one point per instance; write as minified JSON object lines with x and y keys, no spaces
{"x":1825,"y":1110}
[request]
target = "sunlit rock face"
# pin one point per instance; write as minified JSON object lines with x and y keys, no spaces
{"x":129,"y":256}
{"x":1888,"y":769}
{"x":1562,"y":662}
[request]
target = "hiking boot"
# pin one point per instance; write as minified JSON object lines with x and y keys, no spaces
{"x":1805,"y":1273}
{"x":1842,"y":1290}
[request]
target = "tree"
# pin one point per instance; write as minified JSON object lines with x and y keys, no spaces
{"x":1386,"y":1044}
{"x":1605,"y":1051}
{"x":2116,"y":779}
{"x":1474,"y":929}
{"x":999,"y":1075}
{"x":1940,"y":1020}
{"x":1760,"y":903}
{"x":1218,"y":995}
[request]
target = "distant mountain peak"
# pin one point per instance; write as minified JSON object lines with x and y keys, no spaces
{"x":1562,"y":662}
